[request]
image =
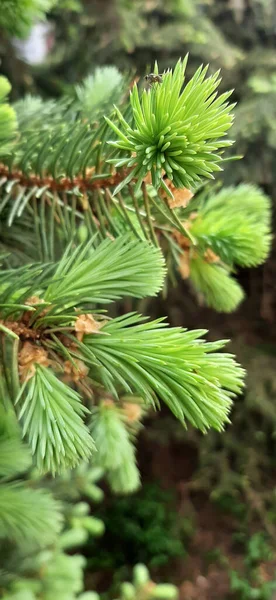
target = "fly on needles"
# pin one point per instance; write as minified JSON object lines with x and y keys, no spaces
{"x":152,"y":78}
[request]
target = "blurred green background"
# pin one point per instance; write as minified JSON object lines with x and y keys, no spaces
{"x":206,"y":516}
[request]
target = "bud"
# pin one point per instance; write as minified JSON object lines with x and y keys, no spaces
{"x":93,"y":492}
{"x":80,"y":509}
{"x":140,"y":575}
{"x":128,"y":591}
{"x":165,"y":591}
{"x":82,"y":233}
{"x":73,"y":537}
{"x":94,"y":526}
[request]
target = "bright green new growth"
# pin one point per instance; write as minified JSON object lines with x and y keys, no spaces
{"x":14,"y":456}
{"x":58,"y":576}
{"x":219,"y":289}
{"x":51,"y":414}
{"x":126,"y":478}
{"x":236,"y":224}
{"x":143,"y":586}
{"x":98,"y":90}
{"x":174,"y":130}
{"x":107,"y":427}
{"x":117,"y":459}
{"x":7,"y":119}
{"x":61,"y":576}
{"x":154,"y":361}
{"x":28,"y":516}
{"x":109,"y":272}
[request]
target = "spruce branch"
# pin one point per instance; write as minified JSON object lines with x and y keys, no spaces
{"x":109,"y":272}
{"x":125,"y":479}
{"x":188,"y":374}
{"x":54,"y":575}
{"x":28,"y":516}
{"x":85,"y":275}
{"x":236,"y":224}
{"x":219,"y":290}
{"x":18,"y":285}
{"x":99,"y":91}
{"x":51,"y":415}
{"x":176,"y":131}
{"x":14,"y":457}
{"x":116,"y":453}
{"x":59,"y":159}
{"x":110,"y":435}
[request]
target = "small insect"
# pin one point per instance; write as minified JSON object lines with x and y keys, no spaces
{"x":153,"y":78}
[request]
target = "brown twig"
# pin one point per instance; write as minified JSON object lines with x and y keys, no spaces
{"x":63,"y":184}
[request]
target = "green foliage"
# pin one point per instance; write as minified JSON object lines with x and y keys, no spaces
{"x":81,"y":482}
{"x":235,"y":223}
{"x":14,"y":457}
{"x":142,"y":585}
{"x":35,"y":562}
{"x":107,"y":427}
{"x":28,"y":516}
{"x":150,"y":359}
{"x":7,"y":119}
{"x":116,"y":453}
{"x":134,"y":32}
{"x":51,"y":414}
{"x":125,"y":479}
{"x":258,"y":549}
{"x":127,"y":354}
{"x":113,"y":270}
{"x":174,"y":131}
{"x":246,"y":590}
{"x":151,"y":530}
{"x":54,"y":575}
{"x":250,"y":584}
{"x":17,"y":16}
{"x":99,"y":91}
{"x":219,"y":289}
{"x":63,"y":577}
{"x":57,"y":141}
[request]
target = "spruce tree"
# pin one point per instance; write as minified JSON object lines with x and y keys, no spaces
{"x":103,"y":197}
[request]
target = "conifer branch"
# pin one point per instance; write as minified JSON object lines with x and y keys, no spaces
{"x":28,"y":516}
{"x":172,"y":364}
{"x":51,"y":413}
